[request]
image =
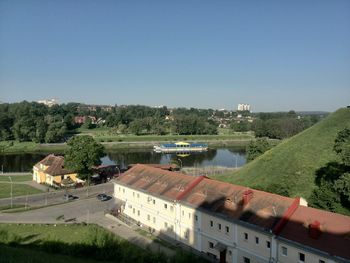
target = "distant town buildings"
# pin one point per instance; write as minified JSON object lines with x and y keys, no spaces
{"x":92,"y":107}
{"x":243,"y":107}
{"x":48,"y":102}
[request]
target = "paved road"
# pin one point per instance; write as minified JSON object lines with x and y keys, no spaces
{"x":88,"y":210}
{"x":55,"y":197}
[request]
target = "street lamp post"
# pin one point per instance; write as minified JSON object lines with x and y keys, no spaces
{"x":11,"y":191}
{"x":118,"y":170}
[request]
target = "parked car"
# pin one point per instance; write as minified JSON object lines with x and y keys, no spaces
{"x":103,"y":197}
{"x":68,"y":197}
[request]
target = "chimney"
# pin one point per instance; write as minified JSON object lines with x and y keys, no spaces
{"x":315,"y":229}
{"x":247,"y":196}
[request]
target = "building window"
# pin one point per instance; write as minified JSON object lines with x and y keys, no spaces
{"x":230,"y":252}
{"x":165,"y":206}
{"x":268,"y":244}
{"x":183,"y":213}
{"x":227,"y":229}
{"x":211,"y":223}
{"x":196,"y":217}
{"x":154,"y":201}
{"x":211,"y":244}
{"x":245,"y":236}
{"x":187,"y":233}
{"x":172,"y":227}
{"x":189,"y":215}
{"x":219,"y":226}
{"x":120,"y":189}
{"x":284,"y":251}
{"x":301,"y":257}
{"x":133,"y":194}
{"x":148,"y":217}
{"x":138,"y":212}
{"x":165,"y":224}
{"x":123,"y":191}
{"x":133,"y":210}
{"x":321,"y":261}
{"x":171,"y":208}
{"x":154,"y":220}
{"x":256,"y":240}
{"x":138,"y":195}
{"x":246,"y":260}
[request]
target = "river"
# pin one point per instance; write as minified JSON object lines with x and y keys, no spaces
{"x":226,"y":157}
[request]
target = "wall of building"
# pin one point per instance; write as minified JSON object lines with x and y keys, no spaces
{"x":203,"y":231}
{"x":288,"y":253}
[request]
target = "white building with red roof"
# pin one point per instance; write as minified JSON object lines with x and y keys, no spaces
{"x":232,"y":223}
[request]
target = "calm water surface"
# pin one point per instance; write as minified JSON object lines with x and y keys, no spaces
{"x":228,"y":157}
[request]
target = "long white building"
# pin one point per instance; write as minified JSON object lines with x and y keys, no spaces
{"x":232,"y":223}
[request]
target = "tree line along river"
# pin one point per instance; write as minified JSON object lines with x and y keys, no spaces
{"x":225,"y":157}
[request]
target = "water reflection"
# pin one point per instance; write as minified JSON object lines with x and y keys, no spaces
{"x":228,"y":157}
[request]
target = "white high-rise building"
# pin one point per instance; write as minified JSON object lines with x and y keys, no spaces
{"x":48,"y":102}
{"x":243,"y":107}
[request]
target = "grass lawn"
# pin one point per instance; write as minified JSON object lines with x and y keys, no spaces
{"x":20,"y":147}
{"x":16,"y":178}
{"x":104,"y":135}
{"x":20,"y":255}
{"x":64,"y":241}
{"x":37,"y":243}
{"x":91,"y":243}
{"x":17,"y":190}
{"x":293,"y":163}
{"x":129,"y":141}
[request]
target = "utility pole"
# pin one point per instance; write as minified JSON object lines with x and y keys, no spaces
{"x":11,"y":192}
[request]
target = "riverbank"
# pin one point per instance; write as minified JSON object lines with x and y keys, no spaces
{"x":131,"y":142}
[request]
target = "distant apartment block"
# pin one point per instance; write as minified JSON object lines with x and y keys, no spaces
{"x":232,"y":223}
{"x":243,"y":107}
{"x":48,"y":102}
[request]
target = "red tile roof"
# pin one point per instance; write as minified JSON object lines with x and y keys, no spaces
{"x":55,"y":165}
{"x":156,"y":181}
{"x":281,"y":214}
{"x":263,"y":209}
{"x":334,"y":235}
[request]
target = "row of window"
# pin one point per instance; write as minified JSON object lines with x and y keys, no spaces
{"x":257,"y":240}
{"x":302,"y":256}
{"x":219,"y":227}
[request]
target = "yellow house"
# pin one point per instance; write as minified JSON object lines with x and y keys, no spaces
{"x":51,"y":171}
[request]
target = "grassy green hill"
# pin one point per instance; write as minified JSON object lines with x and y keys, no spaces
{"x":291,"y":165}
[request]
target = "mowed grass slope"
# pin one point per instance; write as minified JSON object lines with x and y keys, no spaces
{"x":294,"y":162}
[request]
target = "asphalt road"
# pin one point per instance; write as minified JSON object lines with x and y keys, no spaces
{"x":73,"y":211}
{"x":90,"y":210}
{"x":56,"y":197}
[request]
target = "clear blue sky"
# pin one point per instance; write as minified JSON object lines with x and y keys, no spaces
{"x":276,"y":55}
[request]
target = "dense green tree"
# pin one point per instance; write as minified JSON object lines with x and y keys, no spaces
{"x":41,"y":130}
{"x":241,"y":126}
{"x":192,"y":124}
{"x":326,"y":198}
{"x":342,"y":186}
{"x":333,"y":180}
{"x":88,"y":123}
{"x":257,"y":148}
{"x":55,"y":132}
{"x":342,"y":146}
{"x":83,"y":153}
